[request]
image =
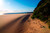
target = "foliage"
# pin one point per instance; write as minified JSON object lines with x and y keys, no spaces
{"x":42,"y":11}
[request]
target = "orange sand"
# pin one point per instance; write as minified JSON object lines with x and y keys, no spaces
{"x":30,"y":26}
{"x":36,"y":26}
{"x":5,"y":19}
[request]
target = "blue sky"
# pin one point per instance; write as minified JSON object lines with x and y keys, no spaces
{"x":18,"y":5}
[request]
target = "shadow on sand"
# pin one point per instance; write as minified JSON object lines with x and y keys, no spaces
{"x":14,"y":21}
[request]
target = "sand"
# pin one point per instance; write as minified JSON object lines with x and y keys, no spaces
{"x":36,"y":26}
{"x":5,"y":19}
{"x":28,"y":26}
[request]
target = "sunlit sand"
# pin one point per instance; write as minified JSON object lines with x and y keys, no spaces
{"x":5,"y":19}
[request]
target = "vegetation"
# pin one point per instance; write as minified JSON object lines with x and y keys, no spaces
{"x":42,"y":11}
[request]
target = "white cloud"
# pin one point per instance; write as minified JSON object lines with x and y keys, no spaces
{"x":1,"y":2}
{"x":4,"y":5}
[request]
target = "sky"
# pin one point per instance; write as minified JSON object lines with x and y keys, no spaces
{"x":10,"y":6}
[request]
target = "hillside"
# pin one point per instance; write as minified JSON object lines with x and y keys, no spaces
{"x":36,"y":26}
{"x":42,"y":11}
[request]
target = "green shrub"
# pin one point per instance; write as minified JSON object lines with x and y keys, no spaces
{"x":42,"y":11}
{"x":49,"y":27}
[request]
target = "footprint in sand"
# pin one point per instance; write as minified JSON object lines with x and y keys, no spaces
{"x":28,"y":20}
{"x":42,"y":26}
{"x":34,"y":22}
{"x":35,"y":29}
{"x":32,"y":28}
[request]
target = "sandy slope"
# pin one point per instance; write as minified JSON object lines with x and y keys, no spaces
{"x":36,"y":26}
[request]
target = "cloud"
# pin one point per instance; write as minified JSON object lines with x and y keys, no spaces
{"x":1,"y":2}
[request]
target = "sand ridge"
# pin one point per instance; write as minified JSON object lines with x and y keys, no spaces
{"x":36,"y":26}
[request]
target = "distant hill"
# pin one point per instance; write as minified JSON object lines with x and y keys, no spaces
{"x":42,"y":11}
{"x":19,"y":13}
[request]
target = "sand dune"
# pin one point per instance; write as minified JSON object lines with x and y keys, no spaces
{"x":23,"y":24}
